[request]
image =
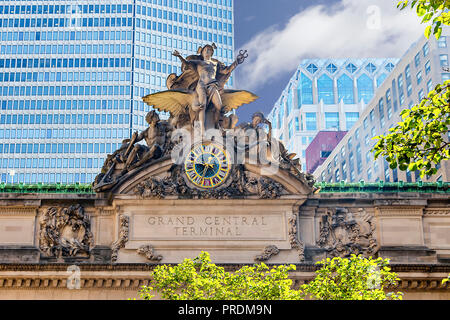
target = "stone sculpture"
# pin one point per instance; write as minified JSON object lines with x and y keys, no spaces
{"x":341,"y":235}
{"x":65,"y":232}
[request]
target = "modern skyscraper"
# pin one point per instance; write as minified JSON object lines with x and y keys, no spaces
{"x":72,"y":75}
{"x":420,"y":69}
{"x":324,"y":95}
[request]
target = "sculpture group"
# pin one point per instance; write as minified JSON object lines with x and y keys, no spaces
{"x":197,"y":101}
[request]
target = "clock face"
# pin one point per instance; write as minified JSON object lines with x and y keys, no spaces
{"x":207,"y":165}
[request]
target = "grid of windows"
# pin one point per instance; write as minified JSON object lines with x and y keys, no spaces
{"x":72,"y":76}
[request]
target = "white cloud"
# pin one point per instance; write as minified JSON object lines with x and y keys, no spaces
{"x":349,"y":29}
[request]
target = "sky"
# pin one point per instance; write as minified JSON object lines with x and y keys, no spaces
{"x":278,"y":34}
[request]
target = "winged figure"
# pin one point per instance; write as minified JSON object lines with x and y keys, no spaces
{"x":200,"y":88}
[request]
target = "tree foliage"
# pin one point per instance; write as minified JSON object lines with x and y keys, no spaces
{"x":419,"y":142}
{"x":199,"y":279}
{"x":356,"y":278}
{"x":434,"y":11}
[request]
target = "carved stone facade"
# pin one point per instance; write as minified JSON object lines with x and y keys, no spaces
{"x":124,"y":222}
{"x":65,"y":232}
{"x":149,"y":252}
{"x":268,"y":253}
{"x":242,"y":185}
{"x":343,"y":234}
{"x":294,"y":239}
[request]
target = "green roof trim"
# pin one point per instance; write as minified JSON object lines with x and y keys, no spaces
{"x":342,"y":187}
{"x":76,"y":188}
{"x":385,"y":187}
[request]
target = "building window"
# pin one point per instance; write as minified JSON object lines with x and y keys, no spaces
{"x":389,"y":67}
{"x":305,"y":92}
{"x":369,"y":174}
{"x":344,"y":170}
{"x":444,"y":60}
{"x":350,"y":119}
{"x":325,"y":89}
{"x":421,"y":95}
{"x":371,"y":68}
{"x":417,"y":60}
{"x":345,"y":89}
{"x":442,"y":42}
{"x":332,"y":120}
{"x":426,"y":49}
{"x":351,"y":68}
{"x":312,"y":68}
{"x":365,"y":88}
{"x":337,"y":176}
{"x":430,"y":85}
{"x":419,"y":77}
{"x":311,"y":121}
{"x":427,"y":67}
{"x":445,"y":77}
{"x":365,"y":123}
{"x":331,"y":68}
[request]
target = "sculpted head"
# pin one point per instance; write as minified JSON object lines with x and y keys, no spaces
{"x":207,"y":51}
{"x":257,"y":118}
{"x":152,"y":117}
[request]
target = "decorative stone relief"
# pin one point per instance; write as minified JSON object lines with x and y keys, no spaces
{"x":65,"y":232}
{"x":268,"y":253}
{"x":241,"y":185}
{"x":342,"y":235}
{"x":124,"y":222}
{"x":293,"y":238}
{"x":149,"y":252}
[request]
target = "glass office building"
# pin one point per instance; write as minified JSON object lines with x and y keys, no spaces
{"x":72,"y":75}
{"x":423,"y":66}
{"x":325,"y":95}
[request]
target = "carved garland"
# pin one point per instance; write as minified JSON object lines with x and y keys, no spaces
{"x":241,"y":185}
{"x":65,"y":232}
{"x":149,"y":252}
{"x":268,"y":253}
{"x":124,"y":222}
{"x":293,"y":238}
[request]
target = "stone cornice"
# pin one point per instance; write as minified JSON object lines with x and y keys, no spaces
{"x":400,"y":211}
{"x":132,"y":277}
{"x":437,"y":212}
{"x":18,"y":211}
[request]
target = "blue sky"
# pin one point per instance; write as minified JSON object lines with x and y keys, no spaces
{"x":279,"y":33}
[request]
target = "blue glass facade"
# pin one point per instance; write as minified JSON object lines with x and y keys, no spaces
{"x":327,"y":94}
{"x":72,"y":76}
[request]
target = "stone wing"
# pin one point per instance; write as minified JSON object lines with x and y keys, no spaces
{"x":173,"y":101}
{"x":233,"y":99}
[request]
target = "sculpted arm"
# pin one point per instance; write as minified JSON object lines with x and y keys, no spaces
{"x":239,"y":60}
{"x":179,"y":56}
